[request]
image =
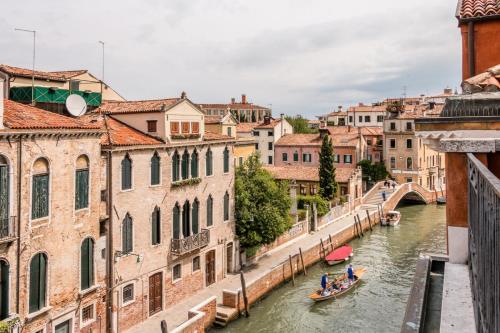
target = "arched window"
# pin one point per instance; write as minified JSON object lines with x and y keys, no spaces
{"x":87,"y":264}
{"x":209,"y":162}
{"x":194,"y":164}
{"x":126,"y":173}
{"x":4,"y":196}
{"x":195,"y":216}
{"x":155,"y":226}
{"x":38,"y":282}
{"x":155,"y":169}
{"x":175,"y":166}
{"x":4,"y":289}
{"x":127,"y":234}
{"x":186,"y":212}
{"x":409,"y":163}
{"x":226,"y":160}
{"x":185,"y":165}
{"x":82,"y":183}
{"x":176,"y":233}
{"x":226,"y":206}
{"x":40,"y":189}
{"x":210,"y":211}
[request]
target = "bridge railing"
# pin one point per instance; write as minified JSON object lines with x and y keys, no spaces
{"x":484,"y":248}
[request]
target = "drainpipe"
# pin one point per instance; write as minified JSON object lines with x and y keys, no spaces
{"x":19,"y":197}
{"x":471,"y":49}
{"x":110,"y":256}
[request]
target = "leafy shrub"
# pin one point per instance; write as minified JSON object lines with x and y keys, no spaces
{"x":321,"y":204}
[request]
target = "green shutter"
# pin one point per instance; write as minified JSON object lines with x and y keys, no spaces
{"x":195,"y":224}
{"x":226,"y":206}
{"x":126,"y":173}
{"x":82,"y":189}
{"x":226,"y":160}
{"x":34,"y":283}
{"x":91,"y":261}
{"x":127,"y":234}
{"x":175,"y":167}
{"x":4,"y":290}
{"x":185,"y":165}
{"x":194,"y":164}
{"x":209,"y":162}
{"x":186,"y":212}
{"x":176,"y":221}
{"x":43,"y":280}
{"x":40,"y":199}
{"x":4,"y":197}
{"x":155,"y":226}
{"x":155,"y":169}
{"x":209,"y":211}
{"x":84,"y":253}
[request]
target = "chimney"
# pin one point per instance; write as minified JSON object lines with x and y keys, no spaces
{"x":243,"y":99}
{"x":183,"y":95}
{"x":1,"y":102}
{"x":448,"y":91}
{"x":339,"y":108}
{"x":361,"y":104}
{"x":267,"y":120}
{"x":282,"y":116}
{"x":233,"y":100}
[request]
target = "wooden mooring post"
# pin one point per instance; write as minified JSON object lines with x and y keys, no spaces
{"x":322,"y":249}
{"x":331,"y":243}
{"x":291,"y":269}
{"x":360,"y":226}
{"x":302,"y":261}
{"x":244,"y":290}
{"x":369,"y":219}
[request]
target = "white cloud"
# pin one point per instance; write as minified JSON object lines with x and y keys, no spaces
{"x":303,"y":57}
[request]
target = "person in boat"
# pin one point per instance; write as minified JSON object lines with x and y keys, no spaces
{"x":324,"y":284}
{"x":350,"y":274}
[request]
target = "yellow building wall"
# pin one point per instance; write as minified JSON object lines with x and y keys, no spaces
{"x":243,"y":151}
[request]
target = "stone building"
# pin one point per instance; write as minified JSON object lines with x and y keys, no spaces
{"x":243,"y":111}
{"x":267,"y":134}
{"x":52,"y":248}
{"x":169,"y":205}
{"x":406,"y":158}
{"x":360,"y":115}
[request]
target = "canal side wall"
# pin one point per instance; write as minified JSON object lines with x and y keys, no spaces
{"x":200,"y":317}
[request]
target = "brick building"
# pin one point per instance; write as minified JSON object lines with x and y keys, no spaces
{"x":267,"y":134}
{"x":169,"y":205}
{"x":51,"y":245}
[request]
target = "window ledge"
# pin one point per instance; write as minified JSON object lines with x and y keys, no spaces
{"x":38,"y":313}
{"x":128,"y":303}
{"x":155,"y":186}
{"x":87,"y":291}
{"x":127,"y":190}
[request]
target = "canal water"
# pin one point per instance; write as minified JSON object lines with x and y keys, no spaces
{"x":377,"y":304}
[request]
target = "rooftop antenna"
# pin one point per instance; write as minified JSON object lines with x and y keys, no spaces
{"x":33,"y":68}
{"x":102,"y":74}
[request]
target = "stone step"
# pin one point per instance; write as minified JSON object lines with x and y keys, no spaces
{"x":220,"y":322}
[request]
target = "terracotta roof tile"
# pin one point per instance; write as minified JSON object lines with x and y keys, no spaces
{"x":118,"y":133}
{"x":55,"y":76}
{"x":120,"y":107}
{"x":245,"y":127}
{"x":478,"y":8}
{"x":304,"y":173}
{"x":488,"y":81}
{"x":22,"y":116}
{"x":213,"y":119}
{"x":272,"y":124}
{"x":232,"y":106}
{"x":299,"y":140}
{"x":211,"y":136}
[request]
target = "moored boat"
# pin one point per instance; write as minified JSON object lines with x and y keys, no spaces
{"x":339,"y":255}
{"x":344,"y":286}
{"x":441,"y":200}
{"x":391,"y":218}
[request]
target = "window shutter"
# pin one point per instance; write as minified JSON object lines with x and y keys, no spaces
{"x":194,"y":164}
{"x":195,"y":126}
{"x":126,"y":173}
{"x":226,"y":160}
{"x":155,"y":170}
{"x":85,"y":265}
{"x":4,"y":196}
{"x":226,"y":206}
{"x":82,"y":189}
{"x":209,"y":211}
{"x":40,"y":190}
{"x":209,"y":163}
{"x":185,"y":127}
{"x":34,"y":284}
{"x":91,"y":262}
{"x":185,"y":165}
{"x":176,"y":220}
{"x":186,"y":212}
{"x":129,"y":235}
{"x":175,"y":167}
{"x":43,"y":280}
{"x":174,"y":127}
{"x":194,"y":223}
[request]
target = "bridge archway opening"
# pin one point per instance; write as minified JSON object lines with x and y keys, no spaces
{"x":413,"y":197}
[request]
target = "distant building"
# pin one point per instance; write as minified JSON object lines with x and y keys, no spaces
{"x":243,"y":111}
{"x":52,"y":88}
{"x":406,"y":158}
{"x":267,"y":134}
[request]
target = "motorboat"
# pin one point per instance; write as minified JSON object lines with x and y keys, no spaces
{"x":391,"y":218}
{"x":339,"y":255}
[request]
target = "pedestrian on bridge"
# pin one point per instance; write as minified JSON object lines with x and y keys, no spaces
{"x":383,"y":195}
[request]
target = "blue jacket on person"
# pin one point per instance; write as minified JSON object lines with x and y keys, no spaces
{"x":350,"y":273}
{"x":324,"y":281}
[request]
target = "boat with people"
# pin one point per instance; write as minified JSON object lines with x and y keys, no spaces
{"x":339,"y":255}
{"x":341,"y":282}
{"x":391,"y":218}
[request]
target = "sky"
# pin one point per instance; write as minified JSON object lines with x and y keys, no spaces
{"x":300,"y":57}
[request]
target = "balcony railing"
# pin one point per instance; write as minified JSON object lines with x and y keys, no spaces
{"x":7,"y":229}
{"x":194,"y":242}
{"x":484,"y":240}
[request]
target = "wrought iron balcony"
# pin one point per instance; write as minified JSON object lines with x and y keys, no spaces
{"x":7,"y":229}
{"x":188,"y":244}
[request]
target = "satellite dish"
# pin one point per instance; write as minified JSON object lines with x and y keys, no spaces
{"x":76,"y":105}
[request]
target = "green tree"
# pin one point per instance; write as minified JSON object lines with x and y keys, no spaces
{"x":300,"y":125}
{"x":373,"y":172}
{"x":262,"y":204}
{"x":327,"y":183}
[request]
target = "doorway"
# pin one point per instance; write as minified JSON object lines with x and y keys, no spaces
{"x":229,"y":258}
{"x":155,"y":293}
{"x":4,"y":290}
{"x":63,"y":327}
{"x":210,"y":267}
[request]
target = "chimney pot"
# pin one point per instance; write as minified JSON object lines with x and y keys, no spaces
{"x":233,"y":100}
{"x":183,"y":95}
{"x":267,"y":120}
{"x":243,"y":99}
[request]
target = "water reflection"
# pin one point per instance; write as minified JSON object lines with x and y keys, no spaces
{"x":376,"y":305}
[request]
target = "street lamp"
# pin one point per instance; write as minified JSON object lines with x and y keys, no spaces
{"x":33,"y":68}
